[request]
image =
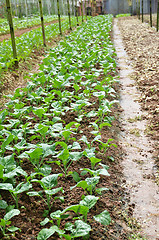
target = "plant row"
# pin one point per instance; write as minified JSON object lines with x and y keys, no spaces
{"x":44,"y":142}
{"x":29,"y":41}
{"x":22,"y":23}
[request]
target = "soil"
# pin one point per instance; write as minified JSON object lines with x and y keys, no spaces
{"x":138,"y":163}
{"x":142,"y":45}
{"x":117,"y":199}
{"x":18,"y":32}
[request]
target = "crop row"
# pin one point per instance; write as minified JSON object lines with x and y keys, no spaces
{"x":44,"y":142}
{"x":29,"y":41}
{"x":22,"y":23}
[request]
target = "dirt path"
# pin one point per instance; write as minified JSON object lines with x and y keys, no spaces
{"x":20,"y":32}
{"x":138,"y":163}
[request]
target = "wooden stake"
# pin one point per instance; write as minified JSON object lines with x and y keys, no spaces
{"x":9,"y":15}
{"x":150,"y":13}
{"x":69,"y":15}
{"x":82,"y":9}
{"x":59,"y":17}
{"x":77,"y":13}
{"x":142,"y":11}
{"x":42,"y":23}
{"x":157,"y":16}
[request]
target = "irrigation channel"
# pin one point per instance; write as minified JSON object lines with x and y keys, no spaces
{"x":138,"y":163}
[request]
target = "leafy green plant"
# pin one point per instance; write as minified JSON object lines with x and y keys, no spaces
{"x":48,"y":183}
{"x":5,"y":222}
{"x":15,"y":192}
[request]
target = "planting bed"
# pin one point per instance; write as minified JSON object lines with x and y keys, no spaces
{"x":58,"y":143}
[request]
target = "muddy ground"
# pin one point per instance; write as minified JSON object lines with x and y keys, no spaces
{"x":141,"y":43}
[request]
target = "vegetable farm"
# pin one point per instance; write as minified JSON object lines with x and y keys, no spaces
{"x":63,"y":126}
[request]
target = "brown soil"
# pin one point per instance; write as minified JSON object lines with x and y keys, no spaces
{"x":21,"y":31}
{"x":142,"y":45}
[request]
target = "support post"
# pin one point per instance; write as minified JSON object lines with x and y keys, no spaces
{"x":59,"y":17}
{"x":42,"y":23}
{"x":9,"y":15}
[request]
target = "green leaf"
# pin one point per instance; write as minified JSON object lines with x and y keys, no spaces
{"x":103,"y":218}
{"x":6,"y":186}
{"x":83,"y":184}
{"x":7,"y":142}
{"x":75,"y":176}
{"x":81,"y":229}
{"x":100,"y":190}
{"x":75,"y":156}
{"x":63,"y":155}
{"x":50,"y":181}
{"x":3,"y":204}
{"x":22,"y":187}
{"x":94,"y":160}
{"x":54,"y":191}
{"x":1,"y":171}
{"x":36,"y":153}
{"x":78,"y":209}
{"x":45,"y":233}
{"x":12,"y":229}
{"x":44,"y":222}
{"x":89,"y":201}
{"x":11,"y":214}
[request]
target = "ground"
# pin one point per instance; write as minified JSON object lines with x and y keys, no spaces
{"x":141,"y":43}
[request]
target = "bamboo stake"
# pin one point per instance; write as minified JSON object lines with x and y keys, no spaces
{"x":86,"y":9}
{"x":69,"y":15}
{"x":142,"y":11}
{"x":150,"y":13}
{"x":82,"y":9}
{"x":72,"y":7}
{"x":59,"y":17}
{"x":9,"y":15}
{"x":157,"y":16}
{"x":139,"y":7}
{"x":77,"y":13}
{"x":42,"y":23}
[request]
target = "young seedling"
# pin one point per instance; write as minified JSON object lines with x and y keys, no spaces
{"x":48,"y":185}
{"x":15,"y":192}
{"x":5,"y":222}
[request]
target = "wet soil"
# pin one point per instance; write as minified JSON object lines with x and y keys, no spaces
{"x":138,"y":164}
{"x":141,"y":43}
{"x":18,"y":32}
